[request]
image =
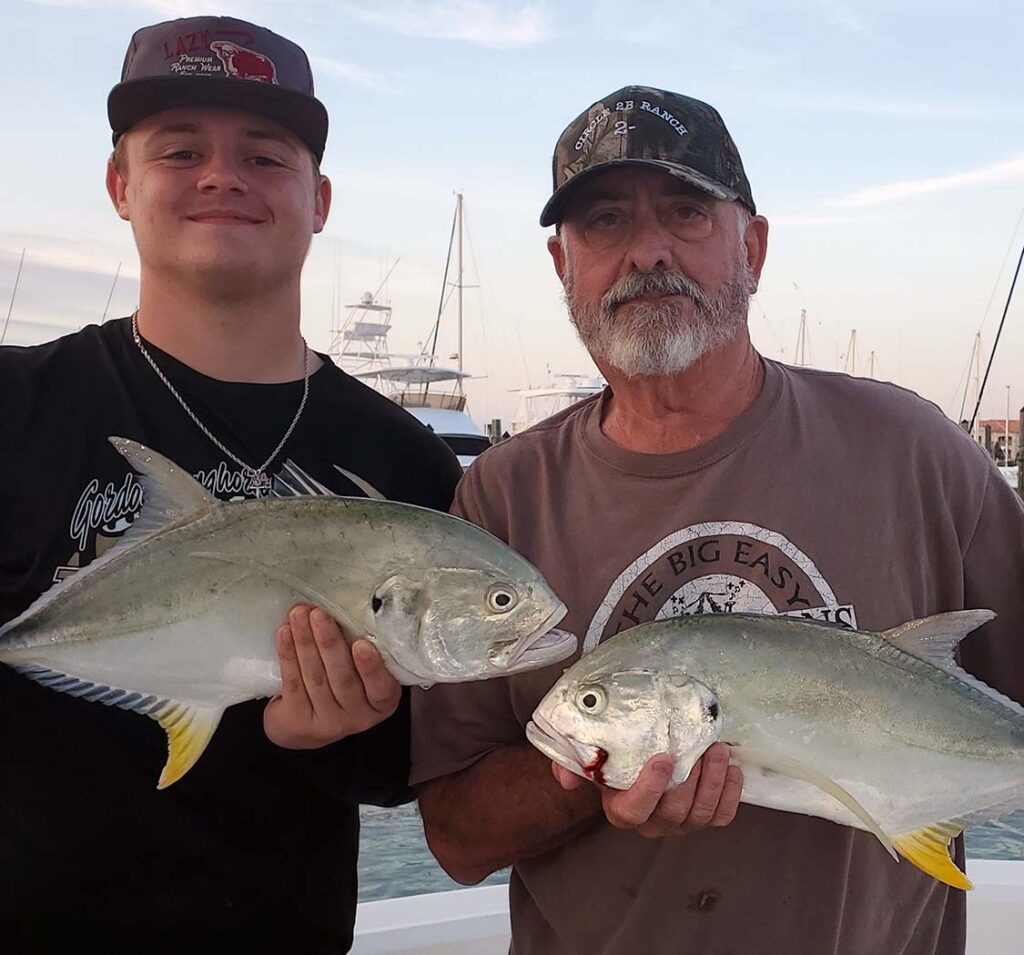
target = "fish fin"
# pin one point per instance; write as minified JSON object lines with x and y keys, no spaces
{"x":934,"y":640}
{"x":189,"y":727}
{"x":928,"y":849}
{"x":365,"y":486}
{"x":292,"y":481}
{"x":785,"y":766}
{"x":171,"y":493}
{"x":291,"y":580}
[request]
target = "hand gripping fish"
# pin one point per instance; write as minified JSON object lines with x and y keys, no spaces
{"x":178,"y":620}
{"x":883,"y":732}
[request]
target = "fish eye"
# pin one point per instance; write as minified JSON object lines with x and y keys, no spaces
{"x":502,"y":599}
{"x":591,"y":699}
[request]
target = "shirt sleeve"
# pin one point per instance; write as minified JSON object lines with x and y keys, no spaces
{"x":994,"y":580}
{"x":370,"y":768}
{"x":455,"y":724}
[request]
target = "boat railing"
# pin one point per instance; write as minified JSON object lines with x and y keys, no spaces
{"x":419,"y":399}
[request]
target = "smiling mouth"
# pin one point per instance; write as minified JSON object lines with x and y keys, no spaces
{"x":224,"y":218}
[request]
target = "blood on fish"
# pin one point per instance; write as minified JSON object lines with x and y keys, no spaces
{"x":593,"y":769}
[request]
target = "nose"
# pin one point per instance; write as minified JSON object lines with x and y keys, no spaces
{"x":650,"y":243}
{"x":221,"y":173}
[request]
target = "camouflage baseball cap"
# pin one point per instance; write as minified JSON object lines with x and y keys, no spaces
{"x":642,"y":126}
{"x":218,"y":61}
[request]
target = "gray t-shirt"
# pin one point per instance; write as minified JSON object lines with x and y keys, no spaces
{"x":836,"y":498}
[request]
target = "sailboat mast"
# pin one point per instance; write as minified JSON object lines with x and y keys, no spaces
{"x":10,"y":308}
{"x":975,"y":427}
{"x":458,"y":214}
{"x":113,"y":285}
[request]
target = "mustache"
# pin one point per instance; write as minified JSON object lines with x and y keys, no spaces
{"x":659,"y":282}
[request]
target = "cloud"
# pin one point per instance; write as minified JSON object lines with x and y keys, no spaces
{"x":479,"y":22}
{"x":1010,"y":170}
{"x":71,"y":254}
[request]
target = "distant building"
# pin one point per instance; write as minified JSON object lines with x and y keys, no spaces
{"x":992,"y":433}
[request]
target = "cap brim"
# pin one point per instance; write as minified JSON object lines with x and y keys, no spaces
{"x":134,"y":100}
{"x":552,"y":212}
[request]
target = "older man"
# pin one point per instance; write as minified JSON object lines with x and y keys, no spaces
{"x":705,"y":478}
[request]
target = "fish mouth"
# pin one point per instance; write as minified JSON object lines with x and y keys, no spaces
{"x":544,"y":645}
{"x":576,"y":757}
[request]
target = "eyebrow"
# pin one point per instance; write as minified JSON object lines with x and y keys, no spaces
{"x":254,"y":133}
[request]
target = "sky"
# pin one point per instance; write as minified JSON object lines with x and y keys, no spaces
{"x":884,"y":142}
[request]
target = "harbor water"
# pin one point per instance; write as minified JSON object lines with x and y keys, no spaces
{"x":394,"y":860}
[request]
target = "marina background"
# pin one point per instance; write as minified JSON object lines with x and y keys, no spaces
{"x":884,"y":142}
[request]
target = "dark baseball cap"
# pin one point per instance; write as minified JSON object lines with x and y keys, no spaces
{"x":218,"y":61}
{"x":642,"y":126}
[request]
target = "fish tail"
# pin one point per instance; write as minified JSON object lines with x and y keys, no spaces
{"x":928,"y":849}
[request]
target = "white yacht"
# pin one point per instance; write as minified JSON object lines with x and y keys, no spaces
{"x":430,"y":391}
{"x":536,"y":404}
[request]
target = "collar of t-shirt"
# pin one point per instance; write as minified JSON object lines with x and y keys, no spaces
{"x":738,"y":433}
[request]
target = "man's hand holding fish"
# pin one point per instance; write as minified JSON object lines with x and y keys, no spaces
{"x":329,"y":689}
{"x":653,"y":807}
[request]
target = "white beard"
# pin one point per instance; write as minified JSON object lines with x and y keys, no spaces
{"x":641,"y":338}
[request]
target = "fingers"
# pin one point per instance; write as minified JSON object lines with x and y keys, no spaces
{"x":730,"y":801}
{"x":710,"y":796}
{"x":714,"y":767}
{"x":325,"y":659}
{"x":566,"y":779}
{"x":328,"y":691}
{"x":381,"y":689}
{"x":632,"y":807}
{"x":293,"y":688}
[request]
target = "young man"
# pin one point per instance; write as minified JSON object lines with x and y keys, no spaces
{"x":725,"y":482}
{"x":218,"y":139}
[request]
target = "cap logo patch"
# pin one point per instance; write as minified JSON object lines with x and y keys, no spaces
{"x":244,"y":64}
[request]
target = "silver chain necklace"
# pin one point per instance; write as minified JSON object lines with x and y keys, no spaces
{"x":257,"y":480}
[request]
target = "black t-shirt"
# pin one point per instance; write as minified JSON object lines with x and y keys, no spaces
{"x":255,"y":848}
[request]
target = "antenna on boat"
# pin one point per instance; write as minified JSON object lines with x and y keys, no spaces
{"x":800,"y":357}
{"x":10,"y":308}
{"x":850,"y":364}
{"x":341,"y":337}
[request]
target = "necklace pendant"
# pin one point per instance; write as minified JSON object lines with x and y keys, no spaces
{"x":257,"y":483}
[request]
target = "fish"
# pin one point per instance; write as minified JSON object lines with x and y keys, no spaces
{"x":879,"y":731}
{"x":178,"y":620}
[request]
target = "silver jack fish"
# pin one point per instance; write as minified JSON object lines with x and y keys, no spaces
{"x":883,"y":732}
{"x":178,"y":620}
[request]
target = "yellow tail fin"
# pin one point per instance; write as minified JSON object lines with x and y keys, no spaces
{"x":928,"y":849}
{"x":189,"y":728}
